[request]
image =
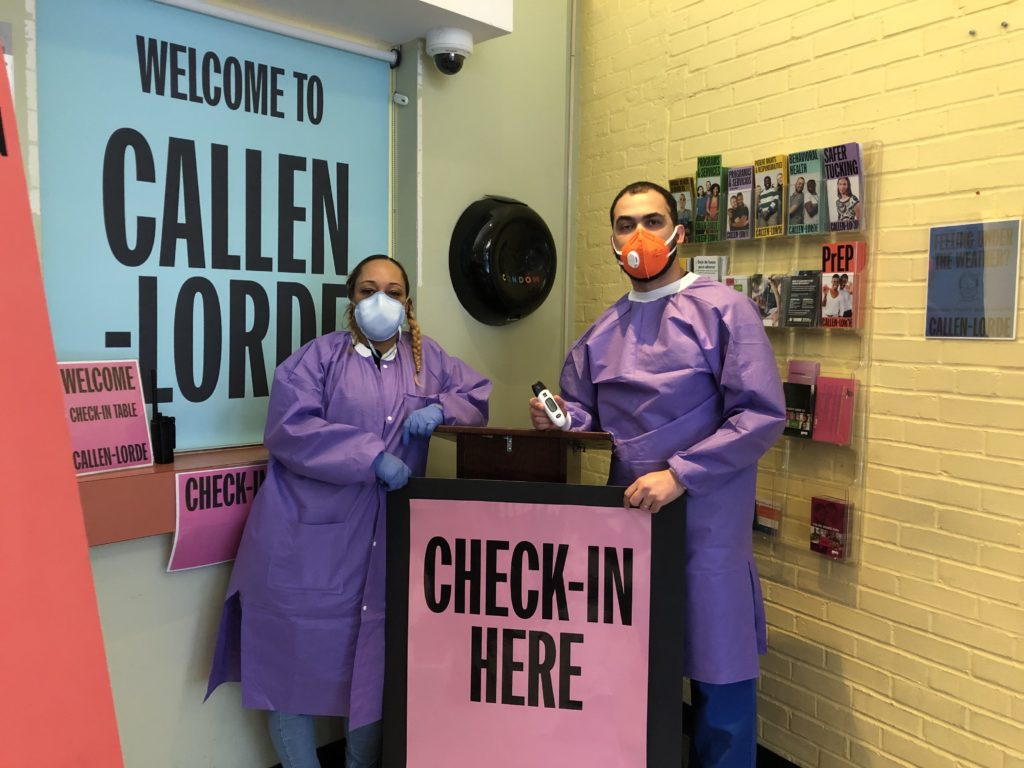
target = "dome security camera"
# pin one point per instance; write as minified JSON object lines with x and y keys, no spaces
{"x":449,"y":47}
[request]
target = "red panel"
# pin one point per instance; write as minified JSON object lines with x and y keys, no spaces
{"x":57,"y":708}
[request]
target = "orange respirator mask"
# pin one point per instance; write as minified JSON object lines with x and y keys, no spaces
{"x":645,"y":256}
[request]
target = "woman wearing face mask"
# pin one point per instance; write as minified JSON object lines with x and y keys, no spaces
{"x":349,"y":419}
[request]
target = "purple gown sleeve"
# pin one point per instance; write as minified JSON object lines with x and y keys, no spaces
{"x":298,"y":435}
{"x":753,"y":407}
{"x":578,"y":390}
{"x":463,"y":393}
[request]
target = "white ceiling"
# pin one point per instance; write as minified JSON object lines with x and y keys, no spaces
{"x":382,"y":22}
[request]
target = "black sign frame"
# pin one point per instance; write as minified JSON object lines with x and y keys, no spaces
{"x":665,"y":664}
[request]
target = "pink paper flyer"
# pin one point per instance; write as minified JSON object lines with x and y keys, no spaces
{"x":212,"y":507}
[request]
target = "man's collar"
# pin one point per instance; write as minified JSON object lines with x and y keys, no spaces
{"x":666,"y":290}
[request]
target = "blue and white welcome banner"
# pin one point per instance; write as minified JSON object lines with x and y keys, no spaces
{"x":205,"y":189}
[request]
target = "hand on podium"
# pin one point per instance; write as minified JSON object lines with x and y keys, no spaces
{"x":422,"y":422}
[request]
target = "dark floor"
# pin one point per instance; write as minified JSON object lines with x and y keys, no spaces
{"x":333,"y":756}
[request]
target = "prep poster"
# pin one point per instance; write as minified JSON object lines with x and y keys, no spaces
{"x":528,"y":621}
{"x":972,"y":281}
{"x":206,"y":188}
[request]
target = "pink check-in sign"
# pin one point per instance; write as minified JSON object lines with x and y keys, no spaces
{"x":106,"y":414}
{"x":212,"y":507}
{"x":529,"y":647}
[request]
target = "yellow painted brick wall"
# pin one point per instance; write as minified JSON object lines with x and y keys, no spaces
{"x":911,"y":654}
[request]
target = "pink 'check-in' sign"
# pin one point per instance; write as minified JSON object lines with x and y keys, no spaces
{"x":106,"y":415}
{"x":532,"y":620}
{"x":212,"y":507}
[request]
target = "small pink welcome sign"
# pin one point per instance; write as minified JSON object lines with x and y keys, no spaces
{"x":106,"y":414}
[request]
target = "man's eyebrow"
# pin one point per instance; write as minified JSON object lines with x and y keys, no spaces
{"x":647,"y":215}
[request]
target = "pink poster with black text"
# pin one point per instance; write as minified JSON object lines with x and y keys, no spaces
{"x":528,"y":630}
{"x":211,"y":507}
{"x":106,"y":415}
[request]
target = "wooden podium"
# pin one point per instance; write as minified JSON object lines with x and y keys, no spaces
{"x":495,"y":453}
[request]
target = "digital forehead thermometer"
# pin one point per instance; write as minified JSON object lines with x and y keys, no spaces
{"x":554,"y":413}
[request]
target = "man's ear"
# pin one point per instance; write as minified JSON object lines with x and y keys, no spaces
{"x":681,"y":236}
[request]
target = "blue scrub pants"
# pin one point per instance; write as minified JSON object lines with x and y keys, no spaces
{"x":724,"y":725}
{"x":296,"y":744}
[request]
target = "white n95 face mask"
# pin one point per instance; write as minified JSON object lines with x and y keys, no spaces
{"x":379,"y":316}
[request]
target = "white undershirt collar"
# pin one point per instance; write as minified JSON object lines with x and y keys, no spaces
{"x":365,"y":351}
{"x":666,"y":290}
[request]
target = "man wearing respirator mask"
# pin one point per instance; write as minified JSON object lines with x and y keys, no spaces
{"x":680,"y":372}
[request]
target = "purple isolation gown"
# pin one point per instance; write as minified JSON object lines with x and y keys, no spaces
{"x":303,"y":622}
{"x":685,"y":378}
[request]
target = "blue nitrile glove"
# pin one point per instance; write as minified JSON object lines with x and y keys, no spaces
{"x":422,"y":422}
{"x":391,"y":470}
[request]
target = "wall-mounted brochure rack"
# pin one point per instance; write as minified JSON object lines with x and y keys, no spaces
{"x":815,"y":293}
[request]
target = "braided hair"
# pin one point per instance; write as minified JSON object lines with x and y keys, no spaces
{"x":416,"y":339}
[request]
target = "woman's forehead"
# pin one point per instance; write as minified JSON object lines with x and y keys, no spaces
{"x":381,"y":271}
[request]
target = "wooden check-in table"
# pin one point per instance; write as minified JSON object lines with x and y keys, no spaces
{"x":495,"y":453}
